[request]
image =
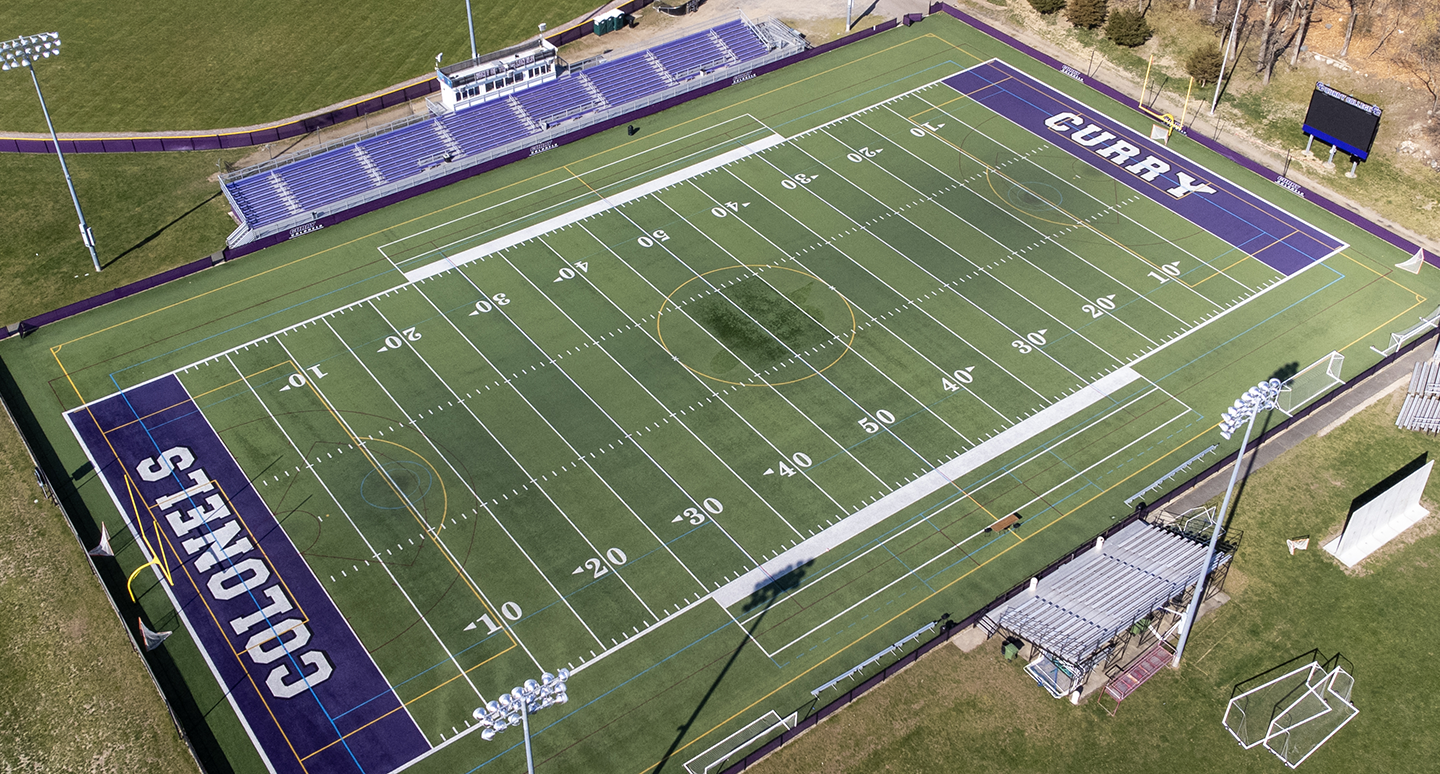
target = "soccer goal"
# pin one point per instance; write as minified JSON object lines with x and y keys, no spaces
{"x":1397,"y":340}
{"x":736,"y":745}
{"x":1316,"y":380}
{"x":1295,"y":714}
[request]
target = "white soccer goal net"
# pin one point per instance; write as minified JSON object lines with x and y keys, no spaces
{"x":1397,"y":340}
{"x":1294,"y":714}
{"x":1315,"y":380}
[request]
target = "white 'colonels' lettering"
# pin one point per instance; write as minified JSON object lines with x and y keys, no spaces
{"x":217,"y":547}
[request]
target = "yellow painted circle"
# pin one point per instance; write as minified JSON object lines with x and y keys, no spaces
{"x":659,"y":332}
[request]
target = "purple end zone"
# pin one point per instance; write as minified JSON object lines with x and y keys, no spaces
{"x":313,"y":699}
{"x":1280,"y":240}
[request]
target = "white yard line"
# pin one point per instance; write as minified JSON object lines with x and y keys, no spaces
{"x":887,"y":506}
{"x":594,"y":208}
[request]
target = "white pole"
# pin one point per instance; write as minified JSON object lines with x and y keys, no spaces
{"x":525,"y":724}
{"x":471,"y":22}
{"x":849,"y":13}
{"x":1228,"y":45}
{"x":1193,"y":609}
{"x":85,"y":235}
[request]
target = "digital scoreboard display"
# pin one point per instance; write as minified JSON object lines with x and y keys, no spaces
{"x":1342,"y":121}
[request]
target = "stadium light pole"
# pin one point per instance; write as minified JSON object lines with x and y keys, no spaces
{"x":22,"y":52}
{"x":1234,"y":25}
{"x":1255,"y":400}
{"x":470,"y":21}
{"x":516,"y":707}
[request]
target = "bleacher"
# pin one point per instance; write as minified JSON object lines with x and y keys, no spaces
{"x":277,"y":192}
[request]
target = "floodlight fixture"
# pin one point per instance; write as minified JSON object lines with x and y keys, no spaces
{"x":1259,"y":398}
{"x":515,"y":708}
{"x":24,"y":51}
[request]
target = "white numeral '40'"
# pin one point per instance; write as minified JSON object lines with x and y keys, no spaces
{"x":963,"y":376}
{"x":801,"y":460}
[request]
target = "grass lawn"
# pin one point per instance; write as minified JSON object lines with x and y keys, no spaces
{"x":199,"y":65}
{"x":977,"y":709}
{"x":73,"y":697}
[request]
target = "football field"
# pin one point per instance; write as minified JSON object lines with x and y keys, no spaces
{"x":704,"y":418}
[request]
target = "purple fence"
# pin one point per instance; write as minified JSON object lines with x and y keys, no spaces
{"x":219,"y":140}
{"x":228,"y":254}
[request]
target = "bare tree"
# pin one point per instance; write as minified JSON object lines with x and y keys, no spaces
{"x":1265,"y":61}
{"x":1306,"y":8}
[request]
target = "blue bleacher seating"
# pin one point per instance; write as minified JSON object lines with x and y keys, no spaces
{"x":326,"y":178}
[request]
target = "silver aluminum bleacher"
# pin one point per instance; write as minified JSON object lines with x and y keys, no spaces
{"x":1421,"y":410}
{"x":1077,"y":610}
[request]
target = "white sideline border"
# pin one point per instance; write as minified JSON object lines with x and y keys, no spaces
{"x":594,"y":208}
{"x":742,"y":587}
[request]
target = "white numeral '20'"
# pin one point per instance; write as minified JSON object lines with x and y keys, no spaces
{"x":615,"y":556}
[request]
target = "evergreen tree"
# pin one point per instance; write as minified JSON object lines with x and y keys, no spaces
{"x":1087,"y":13}
{"x":1047,"y":6}
{"x":1204,"y":63}
{"x":1128,"y":29}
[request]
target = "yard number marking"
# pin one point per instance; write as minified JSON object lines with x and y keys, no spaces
{"x":1172,"y":269}
{"x":394,"y":342}
{"x":963,"y":376}
{"x":1100,"y":307}
{"x":1024,"y":345}
{"x":484,"y":305}
{"x":659,"y":236}
{"x":799,"y":180}
{"x":615,"y":556}
{"x":695,"y":517}
{"x":801,"y":460}
{"x":862,"y":154}
{"x":918,"y":132}
{"x":870,"y":426}
{"x":300,"y":380}
{"x":510,"y":610}
{"x":568,"y":273}
{"x":721,"y":212}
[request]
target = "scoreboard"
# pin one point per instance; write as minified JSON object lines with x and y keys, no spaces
{"x":1341,"y":120}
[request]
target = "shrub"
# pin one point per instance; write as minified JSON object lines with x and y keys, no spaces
{"x":1128,"y":29}
{"x":1087,"y":13}
{"x":1204,"y":63}
{"x":1047,"y":6}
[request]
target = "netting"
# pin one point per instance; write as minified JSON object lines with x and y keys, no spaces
{"x":1397,"y":340}
{"x":1294,"y":714}
{"x":1315,"y":380}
